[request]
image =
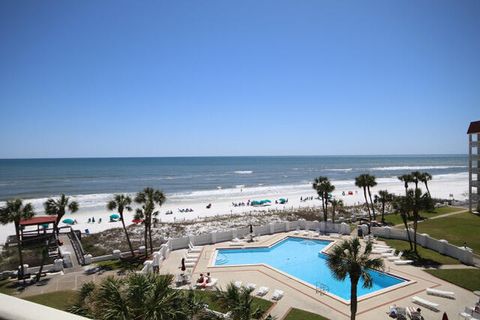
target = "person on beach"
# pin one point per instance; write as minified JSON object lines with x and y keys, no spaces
{"x":89,"y":220}
{"x":201,"y":279}
{"x":100,"y":220}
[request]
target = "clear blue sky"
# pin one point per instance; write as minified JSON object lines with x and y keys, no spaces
{"x":273,"y":77}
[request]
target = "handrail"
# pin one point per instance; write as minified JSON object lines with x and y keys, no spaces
{"x":77,"y":247}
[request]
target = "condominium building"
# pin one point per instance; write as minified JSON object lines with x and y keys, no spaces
{"x":474,"y":165}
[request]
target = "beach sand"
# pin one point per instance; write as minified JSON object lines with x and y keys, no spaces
{"x":442,"y":186}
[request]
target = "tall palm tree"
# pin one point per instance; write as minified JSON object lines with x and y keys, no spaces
{"x":406,"y":179}
{"x":383,"y":197}
{"x":121,"y":202}
{"x":59,"y":207}
{"x":425,"y":177}
{"x":370,"y":184}
{"x":416,"y":177}
{"x":239,"y":302}
{"x":403,"y":205}
{"x":335,"y":204}
{"x":324,"y":187}
{"x":138,"y":296}
{"x":362,"y":181}
{"x":420,"y":201}
{"x":148,"y":198}
{"x":346,"y":259}
{"x":14,"y":211}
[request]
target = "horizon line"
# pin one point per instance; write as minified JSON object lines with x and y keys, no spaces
{"x":242,"y":156}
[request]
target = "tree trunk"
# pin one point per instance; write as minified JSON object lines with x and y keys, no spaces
{"x":415,"y":221}
{"x":366,"y":201}
{"x":145,"y":235}
{"x":128,"y":238}
{"x":428,"y":191}
{"x":325,"y":212}
{"x":333,"y":213}
{"x":20,"y":255}
{"x":371,"y":202}
{"x":383,"y":212}
{"x":353,"y":298}
{"x":44,"y":257}
{"x":405,"y":222}
{"x":150,"y":237}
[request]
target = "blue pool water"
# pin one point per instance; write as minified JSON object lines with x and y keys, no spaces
{"x":301,"y":259}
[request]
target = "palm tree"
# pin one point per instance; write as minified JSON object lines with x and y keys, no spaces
{"x":383,"y":197}
{"x":416,"y":177}
{"x":122,"y":202}
{"x":239,"y":302}
{"x":425,"y":177}
{"x":324,"y":187}
{"x":346,"y":259}
{"x":403,"y":205}
{"x":59,"y":207}
{"x":148,"y":198}
{"x":362,"y":181}
{"x":335,"y":204}
{"x":406,"y":178}
{"x":14,"y":211}
{"x":138,"y":296}
{"x":370,"y":184}
{"x":420,"y":201}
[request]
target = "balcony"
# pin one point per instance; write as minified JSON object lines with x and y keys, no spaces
{"x":475,"y":144}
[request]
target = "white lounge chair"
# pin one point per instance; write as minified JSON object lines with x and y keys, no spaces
{"x":262,"y":291}
{"x":395,"y":257}
{"x":425,"y":303}
{"x":190,"y":264}
{"x":297,"y":231}
{"x":192,"y":248}
{"x":402,"y":262}
{"x":389,"y":253}
{"x":413,"y":314}
{"x":441,"y":293}
{"x":238,"y":284}
{"x":277,"y":295}
{"x":335,"y":235}
{"x":465,"y":315}
{"x":212,"y":283}
{"x":251,"y":286}
{"x":384,"y":246}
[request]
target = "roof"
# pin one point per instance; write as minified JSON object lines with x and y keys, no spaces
{"x":474,"y":127}
{"x":38,"y":220}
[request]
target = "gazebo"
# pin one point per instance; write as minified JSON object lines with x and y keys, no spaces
{"x":42,"y":231}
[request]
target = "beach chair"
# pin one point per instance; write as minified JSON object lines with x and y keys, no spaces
{"x":277,"y":295}
{"x":382,"y":250}
{"x":395,"y":257}
{"x":425,"y":303}
{"x":297,"y":231}
{"x":193,"y":248}
{"x":251,"y":286}
{"x":441,"y":293}
{"x":238,"y":284}
{"x":402,"y":262}
{"x":262,"y":291}
{"x":465,"y":315}
{"x":413,"y":314}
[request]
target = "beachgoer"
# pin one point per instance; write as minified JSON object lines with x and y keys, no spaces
{"x":100,"y":220}
{"x":393,"y":312}
{"x":93,"y":220}
{"x":201,"y":279}
{"x":208,"y":279}
{"x":89,"y":220}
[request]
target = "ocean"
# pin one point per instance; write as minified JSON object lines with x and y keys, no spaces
{"x":176,"y":176}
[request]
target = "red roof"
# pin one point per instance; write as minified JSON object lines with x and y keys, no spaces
{"x":38,"y":220}
{"x":474,"y":127}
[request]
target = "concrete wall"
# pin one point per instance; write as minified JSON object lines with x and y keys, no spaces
{"x":442,"y":246}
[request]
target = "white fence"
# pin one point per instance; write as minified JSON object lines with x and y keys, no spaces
{"x":441,"y":246}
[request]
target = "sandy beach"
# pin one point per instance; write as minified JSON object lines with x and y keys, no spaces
{"x":442,"y":186}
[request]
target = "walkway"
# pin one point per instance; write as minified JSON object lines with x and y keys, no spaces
{"x":67,"y":246}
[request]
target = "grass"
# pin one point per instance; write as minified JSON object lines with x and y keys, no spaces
{"x":465,"y":278}
{"x":59,"y":299}
{"x":394,"y":219}
{"x":456,"y":229}
{"x":210,"y":299}
{"x":7,"y":287}
{"x":425,"y":257}
{"x":297,"y":314}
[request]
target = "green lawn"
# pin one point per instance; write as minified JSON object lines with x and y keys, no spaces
{"x":465,"y":278}
{"x":394,"y":219}
{"x":7,"y":287}
{"x":297,"y":314}
{"x":456,"y":229}
{"x":425,"y":256}
{"x":209,"y":298}
{"x":58,"y":299}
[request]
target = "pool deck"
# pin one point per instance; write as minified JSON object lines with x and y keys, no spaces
{"x":302,"y":296}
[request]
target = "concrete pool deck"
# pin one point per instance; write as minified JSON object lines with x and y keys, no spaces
{"x":302,"y":296}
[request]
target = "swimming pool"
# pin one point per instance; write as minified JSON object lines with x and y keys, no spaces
{"x":302,"y":259}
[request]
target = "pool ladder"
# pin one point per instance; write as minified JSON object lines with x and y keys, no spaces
{"x":321,"y":287}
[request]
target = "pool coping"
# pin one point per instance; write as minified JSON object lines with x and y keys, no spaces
{"x":211,"y":264}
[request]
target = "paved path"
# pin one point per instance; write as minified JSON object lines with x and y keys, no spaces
{"x":67,"y":246}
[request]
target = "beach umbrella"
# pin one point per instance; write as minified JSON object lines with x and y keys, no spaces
{"x":266,"y":200}
{"x":445,"y":317}
{"x":45,"y":225}
{"x":114,"y":216}
{"x":68,"y":221}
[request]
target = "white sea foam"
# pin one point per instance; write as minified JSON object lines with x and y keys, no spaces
{"x":398,"y":168}
{"x":340,"y":170}
{"x":243,"y":172}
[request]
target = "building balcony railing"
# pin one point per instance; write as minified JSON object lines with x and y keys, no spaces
{"x":474,"y":183}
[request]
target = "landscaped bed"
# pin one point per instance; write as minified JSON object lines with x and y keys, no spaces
{"x":297,"y":314}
